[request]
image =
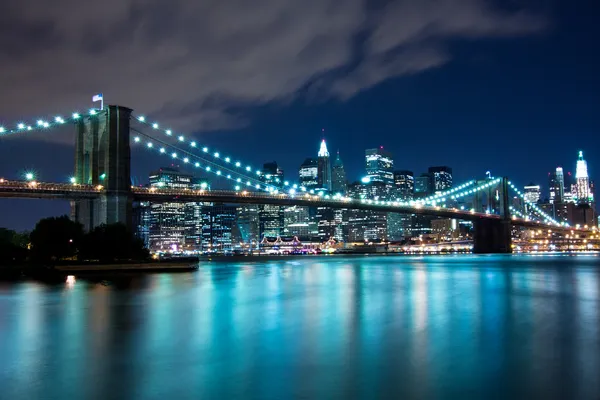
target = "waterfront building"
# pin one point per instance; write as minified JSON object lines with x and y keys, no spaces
{"x":379,"y":165}
{"x":218,"y":221}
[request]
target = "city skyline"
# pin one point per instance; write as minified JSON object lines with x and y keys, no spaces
{"x":486,"y":107}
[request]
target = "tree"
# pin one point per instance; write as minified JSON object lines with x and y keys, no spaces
{"x":13,"y":247}
{"x":55,"y":239}
{"x":112,"y":242}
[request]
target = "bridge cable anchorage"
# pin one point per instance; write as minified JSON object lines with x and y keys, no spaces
{"x":546,"y":218}
{"x":49,"y":123}
{"x":206,"y":166}
{"x":217,"y":156}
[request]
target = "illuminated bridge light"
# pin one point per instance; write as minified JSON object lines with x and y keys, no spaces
{"x":227,"y":159}
{"x":174,"y":155}
{"x":141,"y":118}
{"x":218,"y":172}
{"x":258,"y":173}
{"x":186,"y":160}
{"x":197,"y":165}
{"x":162,"y":150}
{"x":169,"y":132}
{"x":208,"y":168}
{"x":29,"y":128}
{"x":20,"y":126}
{"x":40,"y":122}
{"x":181,"y":138}
{"x":248,"y":169}
{"x":228,"y":176}
{"x":73,"y":180}
{"x":239,"y":180}
{"x":216,"y":155}
{"x":238,"y":164}
{"x":193,"y":144}
{"x":205,"y":149}
{"x":2,"y":130}
{"x":92,"y":112}
{"x":150,"y":145}
{"x":46,"y":124}
{"x":248,"y":183}
{"x":237,"y":188}
{"x":76,"y":115}
{"x":258,"y":186}
{"x":136,"y":139}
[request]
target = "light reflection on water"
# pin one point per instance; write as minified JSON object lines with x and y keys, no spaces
{"x":330,"y":327}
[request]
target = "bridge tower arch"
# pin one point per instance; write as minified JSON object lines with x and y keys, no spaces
{"x":103,"y":157}
{"x":493,"y":236}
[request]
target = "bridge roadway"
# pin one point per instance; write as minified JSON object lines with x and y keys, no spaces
{"x":44,"y":190}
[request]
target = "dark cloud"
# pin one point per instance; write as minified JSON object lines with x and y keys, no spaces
{"x":189,"y":61}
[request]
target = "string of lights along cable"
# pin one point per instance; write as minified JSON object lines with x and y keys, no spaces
{"x":45,"y":123}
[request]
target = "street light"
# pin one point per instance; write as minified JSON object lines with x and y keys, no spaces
{"x":29,"y":176}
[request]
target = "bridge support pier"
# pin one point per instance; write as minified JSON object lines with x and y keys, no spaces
{"x":492,"y":236}
{"x":103,"y":157}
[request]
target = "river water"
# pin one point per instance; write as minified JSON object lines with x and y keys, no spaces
{"x":464,"y":327}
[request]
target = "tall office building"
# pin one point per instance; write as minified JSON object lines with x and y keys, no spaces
{"x":248,"y":229}
{"x":218,"y":221}
{"x":271,"y":217}
{"x":379,"y":164}
{"x":323,"y":168}
{"x":297,"y":221}
{"x":366,"y":225}
{"x":582,"y":183}
{"x":172,"y":226}
{"x":441,"y":178}
{"x":556,"y":186}
{"x":338,"y":176}
{"x":532,"y":193}
{"x":398,"y":225}
{"x":404,"y":185}
{"x":309,"y":173}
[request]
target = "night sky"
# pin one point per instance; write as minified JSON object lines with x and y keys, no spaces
{"x":512,"y":86}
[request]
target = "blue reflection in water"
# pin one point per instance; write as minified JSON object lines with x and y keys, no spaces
{"x":318,"y":327}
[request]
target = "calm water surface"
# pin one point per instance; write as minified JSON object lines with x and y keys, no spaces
{"x":463,"y":327}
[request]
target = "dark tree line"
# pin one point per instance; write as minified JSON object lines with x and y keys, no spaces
{"x":59,"y":239}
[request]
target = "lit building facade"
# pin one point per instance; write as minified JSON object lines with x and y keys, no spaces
{"x":556,"y":186}
{"x":309,"y":174}
{"x":172,"y":227}
{"x":379,"y":165}
{"x":441,"y":178}
{"x":404,"y":185}
{"x":271,"y":217}
{"x":248,"y":229}
{"x":218,"y":221}
{"x":532,"y":193}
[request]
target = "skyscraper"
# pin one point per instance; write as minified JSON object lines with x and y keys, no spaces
{"x":556,"y":186}
{"x":172,"y":226}
{"x":404,"y":182}
{"x":583,"y":192}
{"x":323,"y":168}
{"x":441,"y":178}
{"x":217,"y":227}
{"x":271,"y":221}
{"x":532,"y":193}
{"x":338,"y":179}
{"x":309,"y":173}
{"x":379,"y":164}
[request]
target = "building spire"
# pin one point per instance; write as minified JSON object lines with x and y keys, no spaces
{"x":323,"y":149}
